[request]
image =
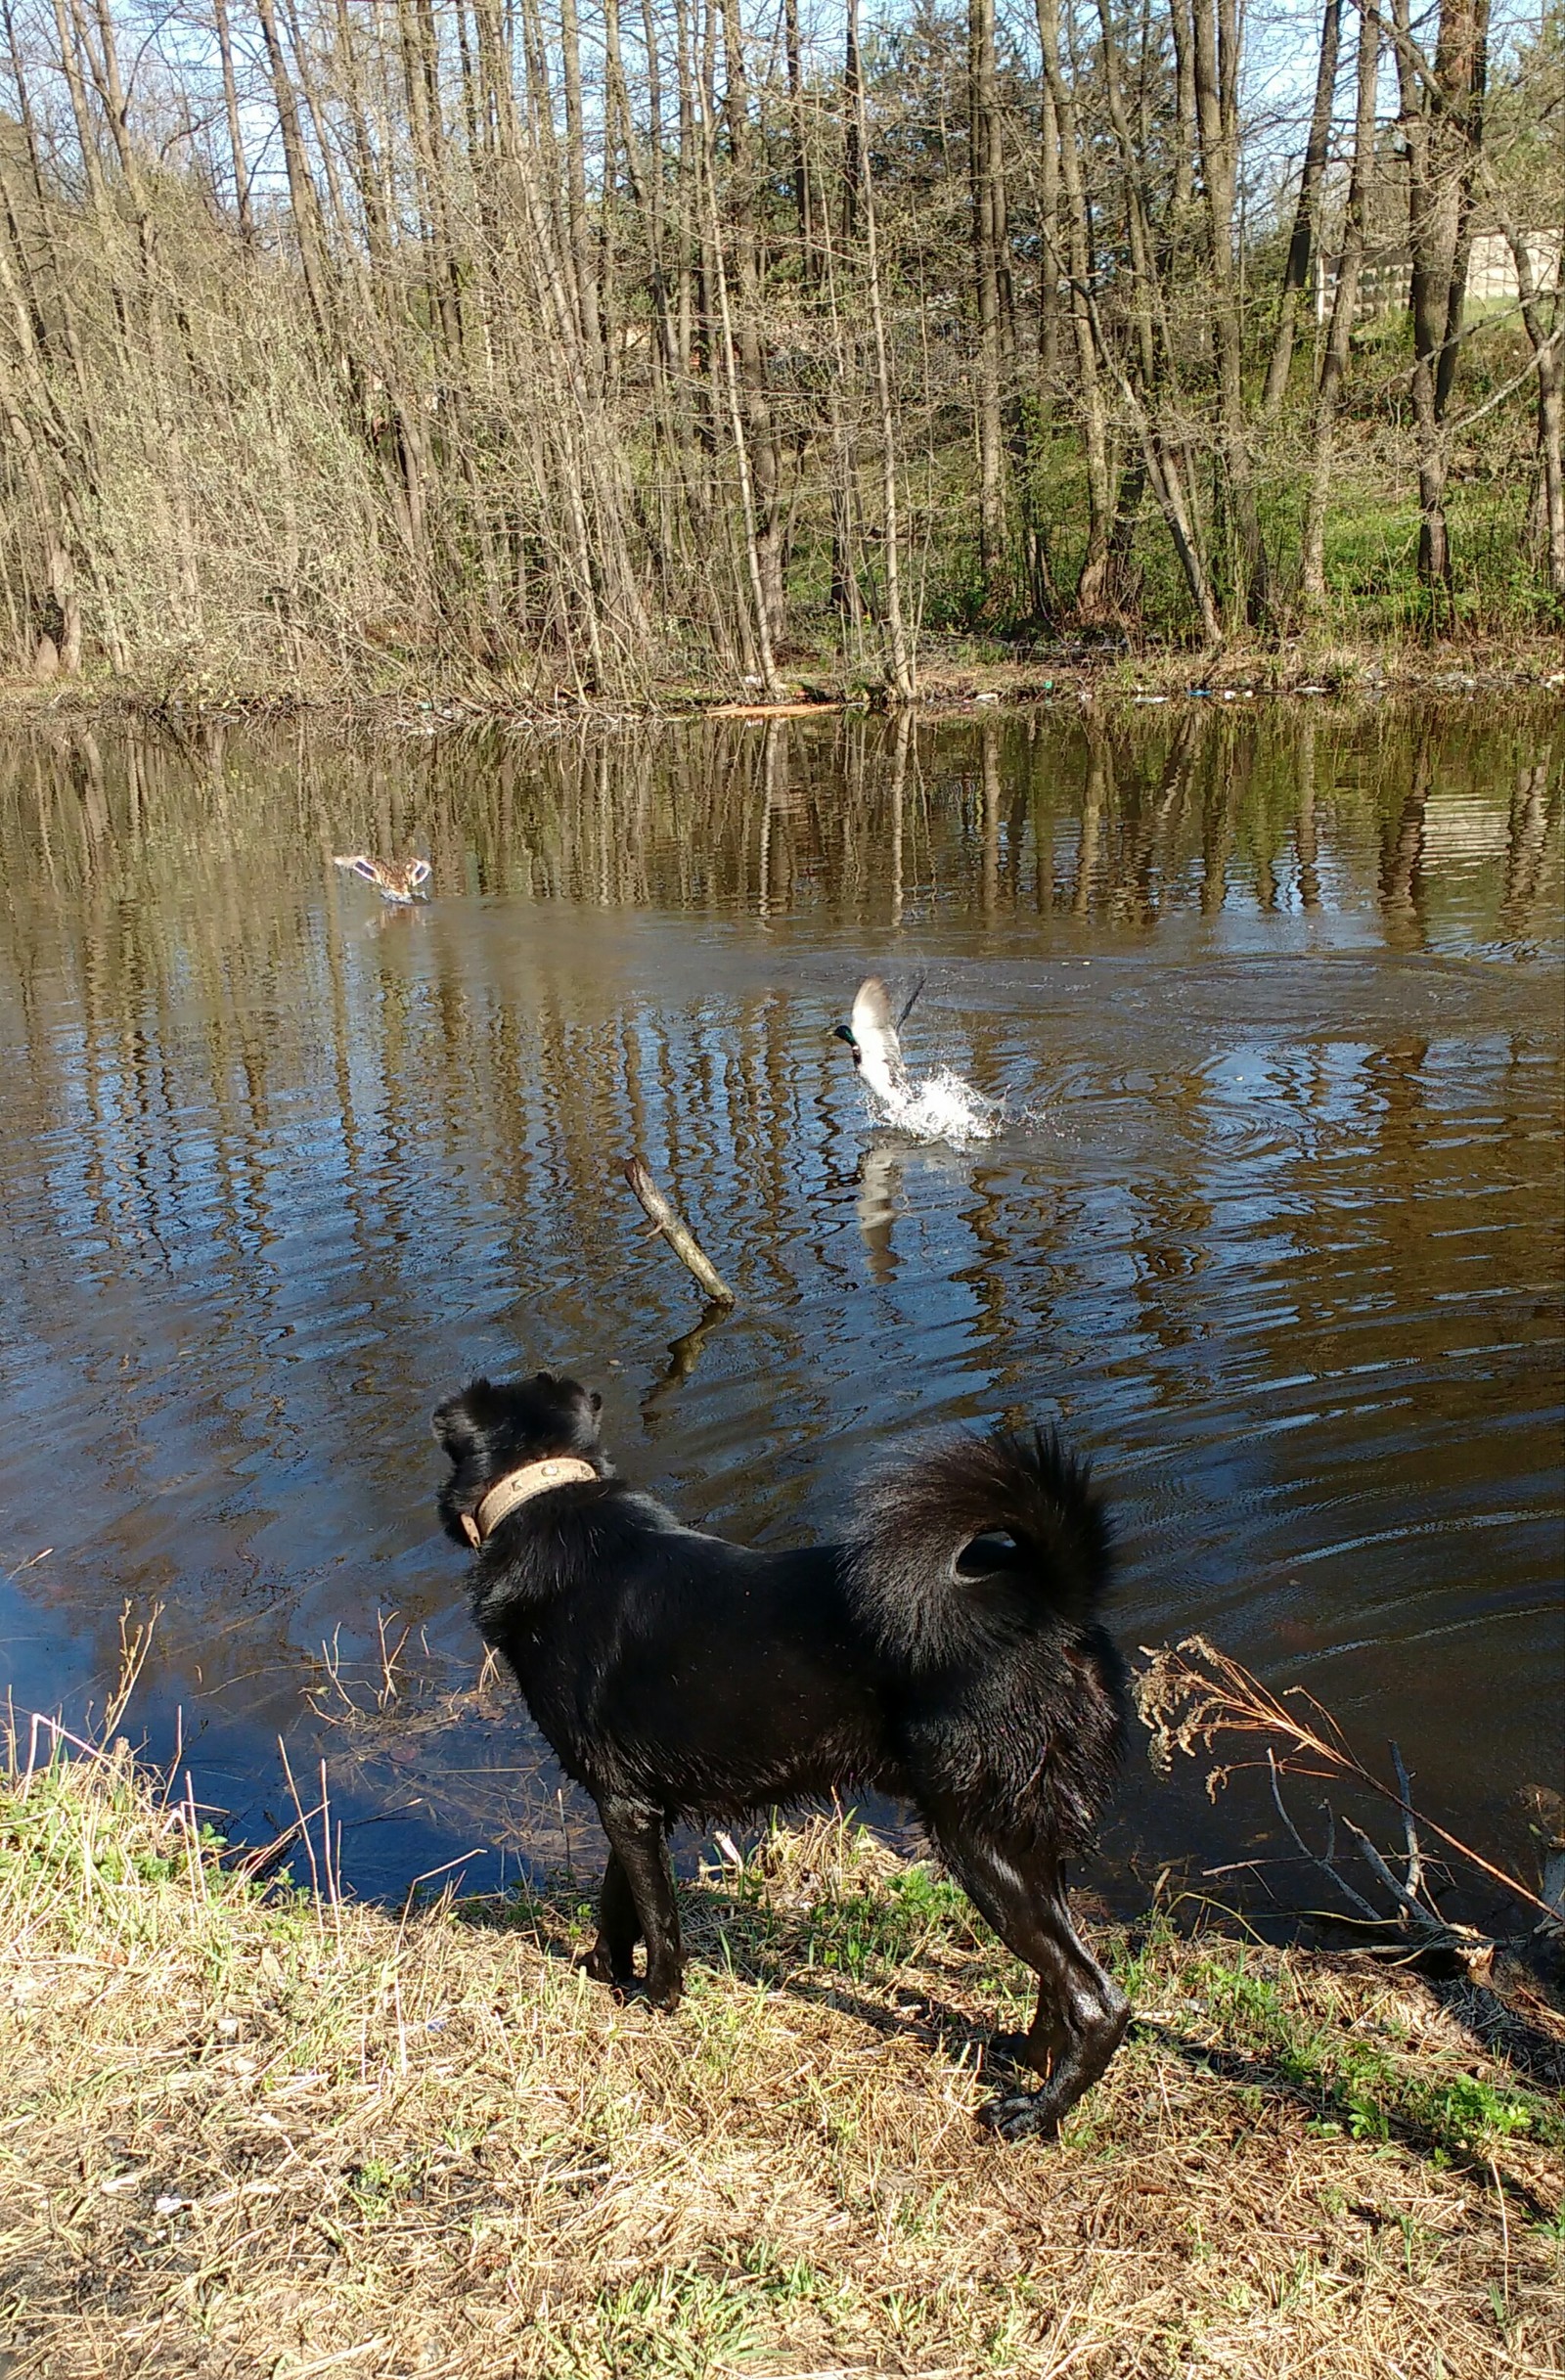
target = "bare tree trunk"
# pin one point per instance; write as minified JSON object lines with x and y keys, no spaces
{"x":847,"y":599}
{"x":1092,"y":584}
{"x":1041,"y":594}
{"x":899,"y":646}
{"x":63,"y":588}
{"x":586,"y":283}
{"x":1442,"y":112}
{"x":984,"y":169}
{"x":1216,"y":65}
{"x":1301,"y":247}
{"x":363,"y":166}
{"x":1156,"y":463}
{"x":803,"y":212}
{"x":1545,"y":346}
{"x":770,"y":680}
{"x":1344,"y":305}
{"x":303,"y":204}
{"x":430,"y":127}
{"x":1048,"y":262}
{"x":764,"y":447}
{"x":851,"y":140}
{"x":236,"y":137}
{"x":1186,"y":138}
{"x":687,"y":211}
{"x":86,"y":135}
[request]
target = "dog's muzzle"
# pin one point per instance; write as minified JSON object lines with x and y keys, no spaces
{"x":519,"y":1487}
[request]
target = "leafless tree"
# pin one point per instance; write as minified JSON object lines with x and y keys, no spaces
{"x":570,"y":343}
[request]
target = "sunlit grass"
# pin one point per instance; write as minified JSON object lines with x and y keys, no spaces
{"x":268,"y":2129}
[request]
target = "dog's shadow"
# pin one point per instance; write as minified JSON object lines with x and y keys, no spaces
{"x":767,"y":1945}
{"x":772,"y":1944}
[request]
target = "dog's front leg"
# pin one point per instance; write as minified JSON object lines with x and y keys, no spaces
{"x":635,"y":1835}
{"x":613,"y":1957}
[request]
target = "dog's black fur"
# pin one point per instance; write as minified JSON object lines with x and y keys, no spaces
{"x":947,"y":1653}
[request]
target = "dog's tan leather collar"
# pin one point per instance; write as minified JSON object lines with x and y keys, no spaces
{"x":533,"y":1479}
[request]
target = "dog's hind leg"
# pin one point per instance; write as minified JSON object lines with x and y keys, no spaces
{"x":635,"y":1835}
{"x":613,"y":1957}
{"x":1082,"y":2012}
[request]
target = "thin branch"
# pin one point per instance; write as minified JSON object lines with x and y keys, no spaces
{"x":1323,"y":1861}
{"x":668,"y":1220}
{"x":1185,"y":1705}
{"x":1458,"y":429}
{"x":1415,"y":1856}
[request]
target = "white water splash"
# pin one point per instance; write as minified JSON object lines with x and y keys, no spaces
{"x":944,"y":1106}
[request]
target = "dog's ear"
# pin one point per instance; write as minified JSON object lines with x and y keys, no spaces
{"x":455,"y":1423}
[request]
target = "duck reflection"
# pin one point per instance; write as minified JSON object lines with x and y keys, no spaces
{"x":879,"y":1203}
{"x":883,"y":1174}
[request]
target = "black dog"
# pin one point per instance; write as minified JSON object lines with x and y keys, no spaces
{"x":947,"y":1654}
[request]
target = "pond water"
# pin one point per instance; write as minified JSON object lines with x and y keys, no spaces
{"x":1273,"y":997}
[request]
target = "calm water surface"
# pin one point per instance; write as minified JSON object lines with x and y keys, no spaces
{"x":1275,"y":1005}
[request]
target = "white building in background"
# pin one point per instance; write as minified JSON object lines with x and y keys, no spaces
{"x":1385,"y":282}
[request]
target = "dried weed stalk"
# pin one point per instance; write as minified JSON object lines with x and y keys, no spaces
{"x":1192,"y":1695}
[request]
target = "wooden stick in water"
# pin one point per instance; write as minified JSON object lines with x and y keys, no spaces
{"x":677,"y":1232}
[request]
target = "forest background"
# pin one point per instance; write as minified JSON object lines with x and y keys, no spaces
{"x":528,"y":344}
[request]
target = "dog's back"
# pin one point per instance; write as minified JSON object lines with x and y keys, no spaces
{"x":706,"y":1677}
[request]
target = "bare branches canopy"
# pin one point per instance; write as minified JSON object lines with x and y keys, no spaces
{"x":609,"y":343}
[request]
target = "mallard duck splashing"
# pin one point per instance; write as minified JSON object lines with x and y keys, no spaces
{"x":942,"y":1107}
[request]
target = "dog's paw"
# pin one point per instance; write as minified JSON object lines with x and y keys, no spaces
{"x":664,"y":1992}
{"x":1021,"y":2115}
{"x":598,"y":1962}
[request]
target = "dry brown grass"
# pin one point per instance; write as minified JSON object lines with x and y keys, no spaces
{"x":954,"y":675}
{"x":1299,"y":667}
{"x":244,"y":2132}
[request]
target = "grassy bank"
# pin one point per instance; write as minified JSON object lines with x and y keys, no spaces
{"x":251,"y":2131}
{"x":953,"y":673}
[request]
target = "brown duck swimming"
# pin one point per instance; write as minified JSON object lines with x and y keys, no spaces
{"x":394,"y":880}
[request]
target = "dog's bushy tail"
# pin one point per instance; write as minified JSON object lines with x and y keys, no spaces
{"x":968,"y":1538}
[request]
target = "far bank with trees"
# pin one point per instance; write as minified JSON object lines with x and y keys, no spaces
{"x":618,"y":346}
